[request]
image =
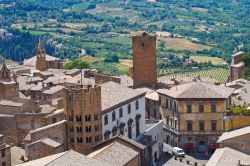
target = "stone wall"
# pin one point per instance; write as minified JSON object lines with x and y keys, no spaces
{"x":38,"y":150}
{"x":28,"y":122}
{"x":55,"y":131}
{"x":102,"y":78}
{"x":8,"y":128}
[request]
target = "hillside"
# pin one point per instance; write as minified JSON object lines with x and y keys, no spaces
{"x":102,"y":27}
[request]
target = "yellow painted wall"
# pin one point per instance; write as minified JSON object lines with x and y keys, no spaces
{"x":206,"y":116}
{"x":237,"y":122}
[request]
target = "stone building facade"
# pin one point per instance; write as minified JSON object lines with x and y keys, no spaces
{"x":83,"y":113}
{"x":5,"y":156}
{"x":193,"y":115}
{"x":144,"y":60}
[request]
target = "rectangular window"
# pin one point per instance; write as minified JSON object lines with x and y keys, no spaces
{"x":171,"y":122}
{"x":201,"y":108}
{"x":137,"y":105}
{"x":87,"y":118}
{"x":213,"y":125}
{"x":189,"y":125}
{"x":175,"y":124}
{"x":167,"y":120}
{"x":202,"y":125}
{"x":26,"y":125}
{"x":3,"y":153}
{"x":175,"y":106}
{"x":79,"y":139}
{"x":37,"y":125}
{"x":3,"y":163}
{"x":96,"y":117}
{"x":189,"y":108}
{"x":171,"y":105}
{"x":213,"y":107}
{"x":120,"y":112}
{"x":167,"y":103}
{"x":53,"y":120}
{"x":129,"y":109}
{"x":160,"y":100}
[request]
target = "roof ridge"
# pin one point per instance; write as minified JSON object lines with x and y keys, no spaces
{"x":58,"y":157}
{"x":104,"y":149}
{"x":221,"y":155}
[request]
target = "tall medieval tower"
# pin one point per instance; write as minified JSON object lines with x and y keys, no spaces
{"x":144,"y":60}
{"x":83,"y":114}
{"x":41,"y":57}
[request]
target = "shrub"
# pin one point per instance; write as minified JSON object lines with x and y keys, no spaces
{"x":187,"y":162}
{"x":180,"y":159}
{"x":175,"y":157}
{"x":195,"y":163}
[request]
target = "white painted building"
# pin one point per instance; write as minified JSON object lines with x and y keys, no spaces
{"x":123,"y":111}
{"x":154,"y":128}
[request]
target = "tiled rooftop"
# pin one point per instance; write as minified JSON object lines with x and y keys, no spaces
{"x":227,"y":157}
{"x":53,"y":89}
{"x":115,"y":154}
{"x":198,"y":90}
{"x":234,"y":133}
{"x":113,"y":94}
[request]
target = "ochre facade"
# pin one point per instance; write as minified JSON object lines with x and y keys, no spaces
{"x":176,"y":122}
{"x":236,"y":122}
{"x":83,"y":114}
{"x":144,"y":60}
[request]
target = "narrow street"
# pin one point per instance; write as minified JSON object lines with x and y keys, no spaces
{"x":168,"y":160}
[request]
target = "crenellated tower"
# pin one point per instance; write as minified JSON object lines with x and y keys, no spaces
{"x":83,"y":114}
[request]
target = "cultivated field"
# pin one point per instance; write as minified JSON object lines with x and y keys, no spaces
{"x":183,"y":44}
{"x":91,"y":59}
{"x":126,"y":62}
{"x":220,"y":74}
{"x":214,"y":60}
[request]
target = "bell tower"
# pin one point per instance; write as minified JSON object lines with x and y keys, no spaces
{"x":41,"y":57}
{"x":5,"y":73}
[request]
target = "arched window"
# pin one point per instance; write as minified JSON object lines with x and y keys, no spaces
{"x":113,"y":116}
{"x":106,"y":121}
{"x":120,"y":112}
{"x":136,"y":105}
{"x":129,"y":109}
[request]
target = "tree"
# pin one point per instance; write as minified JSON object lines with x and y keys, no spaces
{"x":246,"y":59}
{"x":76,"y":64}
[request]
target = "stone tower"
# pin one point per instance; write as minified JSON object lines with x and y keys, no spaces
{"x":237,"y":66}
{"x":83,"y":114}
{"x":144,"y":60}
{"x":41,"y":57}
{"x":5,"y":73}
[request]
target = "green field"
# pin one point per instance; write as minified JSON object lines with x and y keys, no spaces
{"x":220,"y":74}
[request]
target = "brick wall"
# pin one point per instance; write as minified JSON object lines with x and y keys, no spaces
{"x":144,"y":60}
